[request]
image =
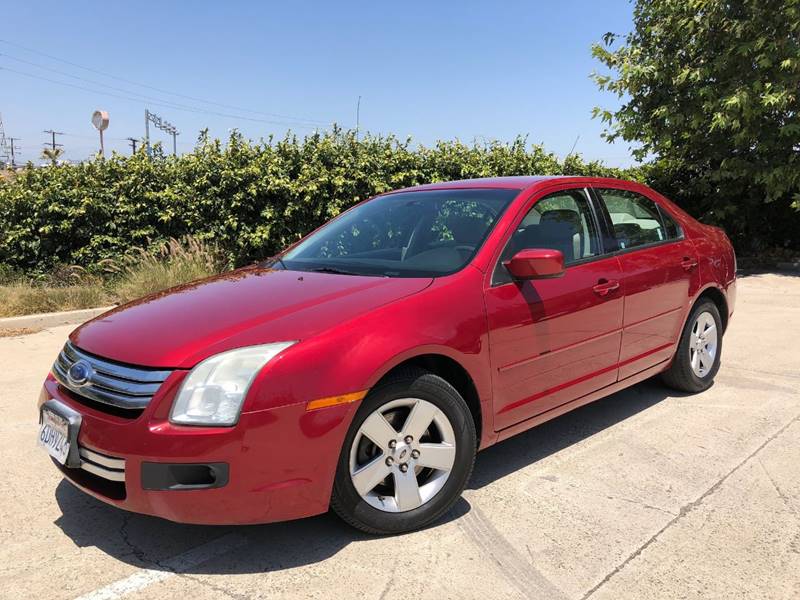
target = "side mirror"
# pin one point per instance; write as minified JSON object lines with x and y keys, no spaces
{"x":536,"y":263}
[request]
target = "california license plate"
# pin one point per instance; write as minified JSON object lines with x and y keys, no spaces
{"x":54,"y":435}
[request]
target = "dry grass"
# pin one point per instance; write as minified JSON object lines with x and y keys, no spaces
{"x":70,"y":288}
{"x":140,"y":273}
{"x":29,"y":298}
{"x":145,"y":272}
{"x":19,"y":331}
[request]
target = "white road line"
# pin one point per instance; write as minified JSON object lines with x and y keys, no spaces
{"x":171,"y":567}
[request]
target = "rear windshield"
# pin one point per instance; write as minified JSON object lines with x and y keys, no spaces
{"x":410,"y":234}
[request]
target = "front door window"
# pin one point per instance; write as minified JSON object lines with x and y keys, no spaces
{"x":562,"y":221}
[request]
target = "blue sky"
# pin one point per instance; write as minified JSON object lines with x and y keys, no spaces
{"x":431,"y":70}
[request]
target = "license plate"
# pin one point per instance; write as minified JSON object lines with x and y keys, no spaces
{"x":54,"y":435}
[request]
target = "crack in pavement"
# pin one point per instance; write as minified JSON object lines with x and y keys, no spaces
{"x":686,"y":509}
{"x":642,"y":504}
{"x":138,"y":552}
{"x":778,"y":490}
{"x":387,"y":588}
{"x":212,"y":587}
{"x":175,"y":566}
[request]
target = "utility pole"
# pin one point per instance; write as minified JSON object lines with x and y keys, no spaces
{"x":147,"y":131}
{"x":358,"y":116}
{"x":11,"y":146}
{"x":133,"y":142}
{"x":53,"y":134}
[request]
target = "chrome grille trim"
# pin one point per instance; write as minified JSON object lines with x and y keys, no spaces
{"x":110,"y":383}
{"x":102,"y":465}
{"x":115,"y":369}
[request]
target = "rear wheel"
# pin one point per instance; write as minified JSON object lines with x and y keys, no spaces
{"x":407,"y":456}
{"x":699,"y":350}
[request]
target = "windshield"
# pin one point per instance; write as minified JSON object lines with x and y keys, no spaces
{"x":410,"y":234}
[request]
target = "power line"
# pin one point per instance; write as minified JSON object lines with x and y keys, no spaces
{"x":93,"y":82}
{"x":91,"y":137}
{"x":133,"y":142}
{"x":61,"y":60}
{"x":162,"y":104}
{"x":111,"y":87}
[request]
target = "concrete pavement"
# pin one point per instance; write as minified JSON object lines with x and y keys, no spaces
{"x":645,"y":494}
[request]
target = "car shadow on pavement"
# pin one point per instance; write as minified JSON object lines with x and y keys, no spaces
{"x":153,"y":543}
{"x":552,"y":436}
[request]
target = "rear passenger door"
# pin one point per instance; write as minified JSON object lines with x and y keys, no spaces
{"x":554,"y":340}
{"x":658,"y":264}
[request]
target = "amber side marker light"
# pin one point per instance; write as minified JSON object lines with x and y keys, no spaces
{"x":336,"y":400}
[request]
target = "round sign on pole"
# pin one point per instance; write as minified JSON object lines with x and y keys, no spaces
{"x":100,"y":120}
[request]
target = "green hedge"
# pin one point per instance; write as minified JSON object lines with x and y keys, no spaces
{"x":250,"y":199}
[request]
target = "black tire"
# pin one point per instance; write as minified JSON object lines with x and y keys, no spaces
{"x":407,"y":383}
{"x":680,"y":374}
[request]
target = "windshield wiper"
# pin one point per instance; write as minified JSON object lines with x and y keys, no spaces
{"x":279,"y":260}
{"x":335,"y":271}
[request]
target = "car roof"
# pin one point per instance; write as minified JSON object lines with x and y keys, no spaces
{"x":517,"y":182}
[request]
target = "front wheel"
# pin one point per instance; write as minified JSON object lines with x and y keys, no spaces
{"x":407,"y":456}
{"x":699,"y":350}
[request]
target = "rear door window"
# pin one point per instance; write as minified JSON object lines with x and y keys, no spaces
{"x":635,"y":219}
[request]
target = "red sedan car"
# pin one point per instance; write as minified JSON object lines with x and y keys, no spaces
{"x":364,"y":367}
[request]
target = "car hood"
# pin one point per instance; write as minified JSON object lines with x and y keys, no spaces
{"x":181,"y":326}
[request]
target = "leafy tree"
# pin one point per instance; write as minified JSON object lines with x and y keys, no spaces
{"x":711,"y":89}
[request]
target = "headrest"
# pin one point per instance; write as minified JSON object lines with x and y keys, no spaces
{"x":467,"y":230}
{"x":562,"y":215}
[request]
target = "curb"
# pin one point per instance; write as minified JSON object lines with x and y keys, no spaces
{"x":54,"y":319}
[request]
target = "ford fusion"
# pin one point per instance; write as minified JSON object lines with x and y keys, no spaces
{"x":363,"y":368}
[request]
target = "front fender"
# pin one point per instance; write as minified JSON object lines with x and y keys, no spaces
{"x":447,"y":319}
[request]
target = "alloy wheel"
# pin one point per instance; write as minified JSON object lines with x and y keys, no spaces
{"x":703,"y":344}
{"x":402,"y":455}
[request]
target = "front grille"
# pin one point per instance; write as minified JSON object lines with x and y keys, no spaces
{"x":102,"y":465}
{"x":108,"y":386}
{"x":103,"y":474}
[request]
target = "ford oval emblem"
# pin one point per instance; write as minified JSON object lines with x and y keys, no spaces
{"x":79,"y":373}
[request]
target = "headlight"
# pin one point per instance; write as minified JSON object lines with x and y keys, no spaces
{"x":213,"y":392}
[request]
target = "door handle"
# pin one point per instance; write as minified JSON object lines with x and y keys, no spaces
{"x":688,"y":263}
{"x":605,"y":286}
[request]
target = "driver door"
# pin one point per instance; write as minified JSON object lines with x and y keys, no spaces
{"x":554,"y":340}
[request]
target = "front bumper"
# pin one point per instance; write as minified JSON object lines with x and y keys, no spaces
{"x":279,"y":463}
